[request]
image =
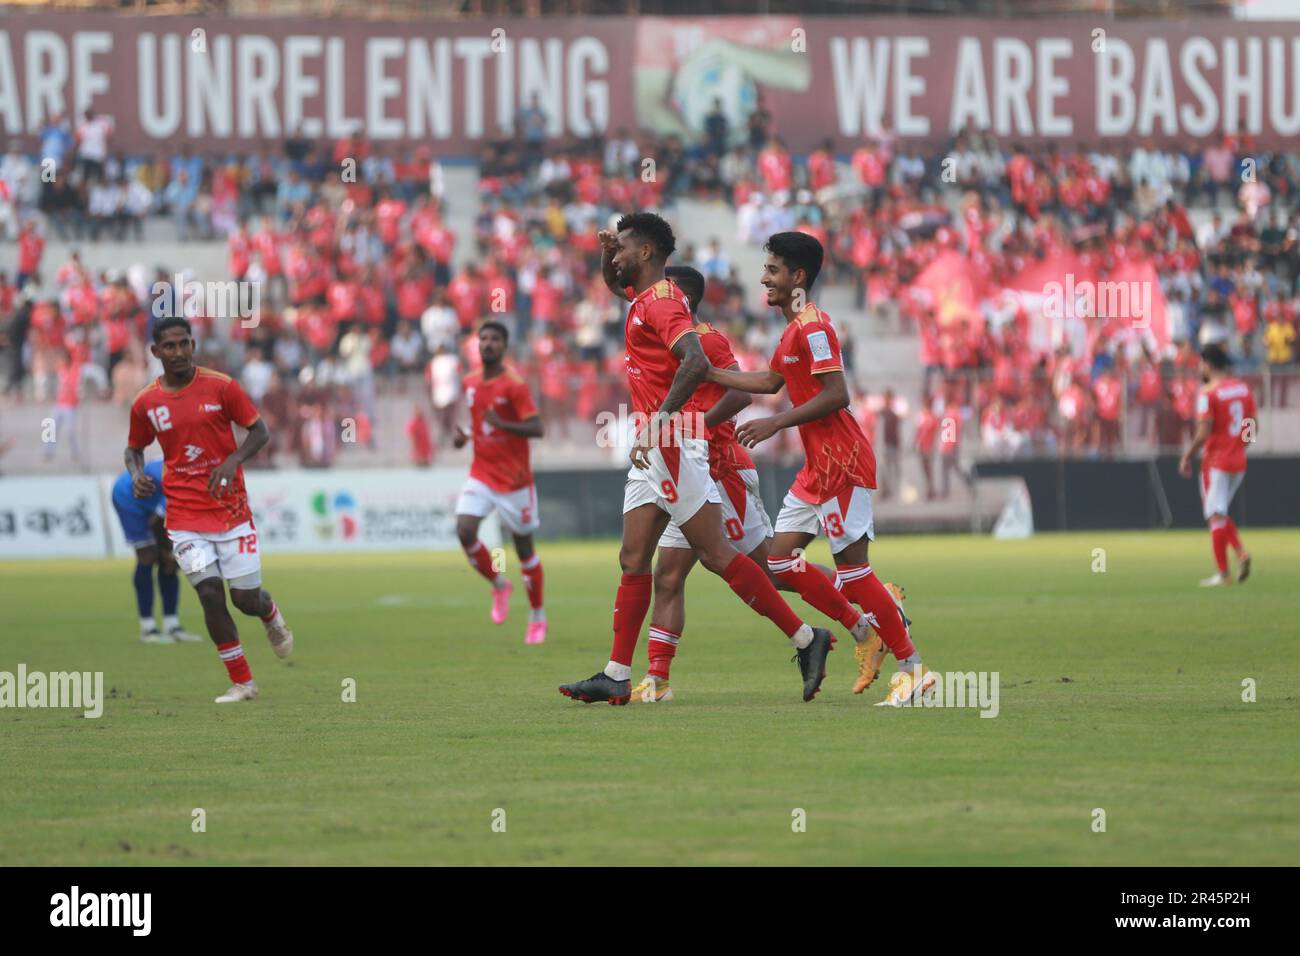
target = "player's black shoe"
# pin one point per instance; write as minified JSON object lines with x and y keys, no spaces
{"x":599,"y":687}
{"x":812,"y":661}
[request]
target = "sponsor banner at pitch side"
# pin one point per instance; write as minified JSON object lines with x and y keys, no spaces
{"x":52,"y":517}
{"x":294,"y":511}
{"x":408,"y":509}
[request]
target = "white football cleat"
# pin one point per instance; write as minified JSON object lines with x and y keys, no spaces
{"x":281,"y":638}
{"x":180,"y":634}
{"x":1216,"y":580}
{"x":156,"y":637}
{"x":238,"y":692}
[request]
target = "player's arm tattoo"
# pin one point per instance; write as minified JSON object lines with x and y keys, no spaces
{"x":766,"y":382}
{"x":833,"y":396}
{"x":728,"y":405}
{"x":690,"y":373}
{"x":529,"y":427}
{"x":134,"y":458}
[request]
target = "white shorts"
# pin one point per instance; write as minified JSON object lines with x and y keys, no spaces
{"x":517,"y":509}
{"x":844,"y":519}
{"x":677,"y":480}
{"x":744,"y":518}
{"x":1217,"y":490}
{"x":231,"y":555}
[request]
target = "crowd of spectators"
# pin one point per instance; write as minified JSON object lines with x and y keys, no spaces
{"x":361,"y":288}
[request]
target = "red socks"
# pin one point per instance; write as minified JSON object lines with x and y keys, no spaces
{"x":1233,"y":540}
{"x":532,"y":572}
{"x":753,"y":587}
{"x":270,"y":615}
{"x":1219,"y":538}
{"x":481,"y":559}
{"x":663,"y":646}
{"x":630,"y":607}
{"x":232,"y":655}
{"x":865,"y":589}
{"x":815,"y":588}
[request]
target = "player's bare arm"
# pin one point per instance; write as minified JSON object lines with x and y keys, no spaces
{"x":833,"y":396}
{"x":728,"y":405}
{"x":142,"y":485}
{"x":1203,"y":429}
{"x":692,"y":368}
{"x":460,"y":438}
{"x":608,"y":271}
{"x":528,"y":428}
{"x":765,"y":382}
{"x":222,"y":476}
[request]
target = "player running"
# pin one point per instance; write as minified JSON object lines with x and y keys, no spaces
{"x":832,"y":491}
{"x":142,"y":526}
{"x":502,"y":419}
{"x":1225,"y":423}
{"x":190,"y":409}
{"x":669,"y":477}
{"x":744,"y":518}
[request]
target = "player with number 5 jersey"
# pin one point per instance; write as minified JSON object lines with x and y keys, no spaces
{"x":190,"y":411}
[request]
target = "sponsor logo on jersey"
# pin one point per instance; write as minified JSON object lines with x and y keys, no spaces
{"x":192,"y":452}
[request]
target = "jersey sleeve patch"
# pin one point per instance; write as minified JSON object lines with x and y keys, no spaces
{"x":820,"y":346}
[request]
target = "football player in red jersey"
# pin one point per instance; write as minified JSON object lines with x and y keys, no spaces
{"x":669,"y":477}
{"x":832,"y":491}
{"x":744,"y":519}
{"x":190,"y":410}
{"x":502,"y":419}
{"x":1225,"y":423}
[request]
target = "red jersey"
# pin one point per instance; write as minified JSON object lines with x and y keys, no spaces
{"x":193,"y":427}
{"x":500,"y":457}
{"x":1225,"y":405}
{"x":726,"y":455}
{"x":838,"y":456}
{"x":657,"y":318}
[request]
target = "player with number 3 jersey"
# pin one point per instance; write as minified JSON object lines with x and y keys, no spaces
{"x":1225,"y":424}
{"x":190,"y":410}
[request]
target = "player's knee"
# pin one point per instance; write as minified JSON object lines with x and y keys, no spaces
{"x":467,"y":532}
{"x":211,"y":593}
{"x":717,"y":559}
{"x":632,"y":563}
{"x":668,"y":582}
{"x":524,"y":546}
{"x":146,"y":556}
{"x":248,"y":602}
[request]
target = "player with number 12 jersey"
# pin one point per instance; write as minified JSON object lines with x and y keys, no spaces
{"x":190,"y":410}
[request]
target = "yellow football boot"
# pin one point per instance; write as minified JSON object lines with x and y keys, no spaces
{"x":870,"y":654}
{"x":908,"y":688}
{"x":651,"y":690}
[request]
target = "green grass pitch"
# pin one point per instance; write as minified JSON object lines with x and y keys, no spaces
{"x":1119,"y":690}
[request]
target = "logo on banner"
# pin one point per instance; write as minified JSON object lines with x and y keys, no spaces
{"x":335,"y":515}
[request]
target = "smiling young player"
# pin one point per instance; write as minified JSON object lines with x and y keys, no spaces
{"x":190,"y":411}
{"x":832,"y":492}
{"x":669,"y":478}
{"x":502,"y":419}
{"x":744,"y":520}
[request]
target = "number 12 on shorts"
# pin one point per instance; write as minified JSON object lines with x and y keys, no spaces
{"x":248,"y":543}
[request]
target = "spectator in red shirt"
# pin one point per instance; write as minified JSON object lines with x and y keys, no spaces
{"x":31,"y":245}
{"x":421,"y":437}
